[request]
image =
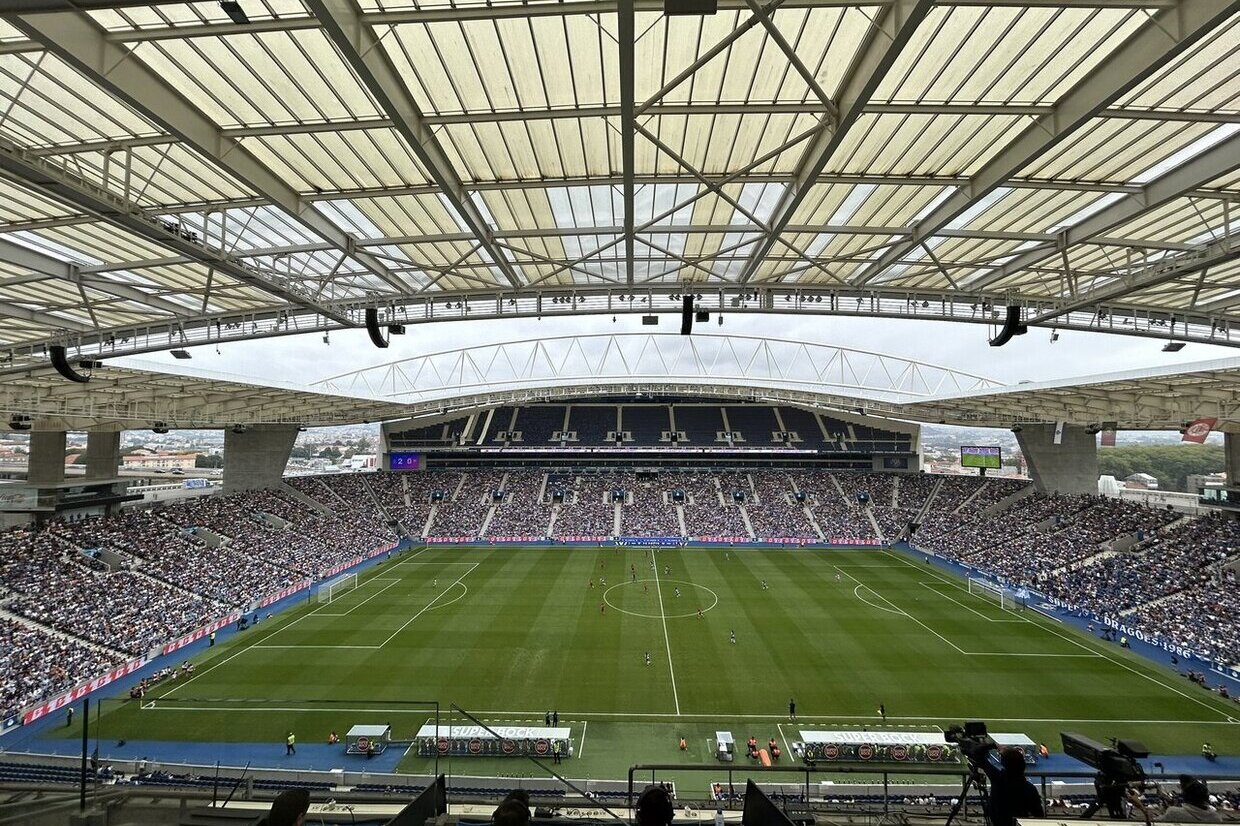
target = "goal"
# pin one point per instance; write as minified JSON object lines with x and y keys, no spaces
{"x":328,"y":591}
{"x":1008,"y":599}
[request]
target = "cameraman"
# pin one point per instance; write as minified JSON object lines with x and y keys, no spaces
{"x":1011,"y":794}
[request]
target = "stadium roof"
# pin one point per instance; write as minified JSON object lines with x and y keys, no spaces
{"x":172,"y":176}
{"x":137,"y":395}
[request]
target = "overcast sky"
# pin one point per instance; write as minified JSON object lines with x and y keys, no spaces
{"x":1033,"y":357}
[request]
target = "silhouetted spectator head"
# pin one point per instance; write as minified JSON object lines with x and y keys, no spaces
{"x":514,"y":810}
{"x":1194,"y":790}
{"x":1013,"y":760}
{"x":654,"y":807}
{"x":289,"y":809}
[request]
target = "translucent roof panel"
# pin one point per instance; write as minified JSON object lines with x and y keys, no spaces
{"x":167,"y":166}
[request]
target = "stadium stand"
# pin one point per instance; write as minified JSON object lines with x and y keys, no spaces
{"x":78,"y":597}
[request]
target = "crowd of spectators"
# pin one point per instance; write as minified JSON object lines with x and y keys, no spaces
{"x":1173,"y":583}
{"x":648,"y":511}
{"x":774,"y":511}
{"x":35,"y":664}
{"x":89,"y":593}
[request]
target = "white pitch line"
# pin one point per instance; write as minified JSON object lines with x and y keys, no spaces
{"x":898,"y":610}
{"x":581,"y":747}
{"x":368,"y":599}
{"x":232,"y":657}
{"x":342,"y":648}
{"x":780,"y":728}
{"x":931,"y":587}
{"x":1094,"y":651}
{"x":425,"y":608}
{"x":153,"y":705}
{"x":671,"y":667}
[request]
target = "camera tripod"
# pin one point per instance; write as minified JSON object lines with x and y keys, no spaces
{"x":975,"y":779}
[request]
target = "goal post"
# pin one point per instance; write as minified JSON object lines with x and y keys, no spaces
{"x":1008,"y":599}
{"x":333,"y":588}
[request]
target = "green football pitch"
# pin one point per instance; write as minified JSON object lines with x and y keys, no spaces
{"x":506,"y":633}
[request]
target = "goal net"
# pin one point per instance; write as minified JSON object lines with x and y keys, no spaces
{"x":331,"y":589}
{"x":1008,"y":599}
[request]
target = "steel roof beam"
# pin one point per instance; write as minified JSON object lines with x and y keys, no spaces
{"x":892,"y":28}
{"x":625,"y":36}
{"x":1168,"y":269}
{"x":42,"y":319}
{"x":82,"y":43}
{"x":570,"y":8}
{"x":85,"y":195}
{"x":361,"y":49}
{"x":1167,"y":34}
{"x":29,"y":259}
{"x":671,"y":109}
{"x":1215,"y":162}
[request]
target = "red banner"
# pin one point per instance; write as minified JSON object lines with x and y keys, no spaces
{"x":198,"y":634}
{"x":343,"y":566}
{"x":284,"y":592}
{"x":44,"y":709}
{"x":840,"y":540}
{"x":1199,"y":430}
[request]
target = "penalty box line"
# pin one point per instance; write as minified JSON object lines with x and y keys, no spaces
{"x":202,"y":672}
{"x":424,"y":609}
{"x":901,"y":612}
{"x":1041,"y":623}
{"x":472,"y":567}
{"x":533,"y":717}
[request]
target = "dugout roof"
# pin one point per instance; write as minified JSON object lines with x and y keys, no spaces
{"x":170,"y":175}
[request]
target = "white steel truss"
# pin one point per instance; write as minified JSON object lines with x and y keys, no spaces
{"x":625,"y":359}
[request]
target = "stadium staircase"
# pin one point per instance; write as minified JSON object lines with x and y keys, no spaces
{"x":1151,"y":604}
{"x":50,"y":631}
{"x":388,"y":519}
{"x":1009,"y":500}
{"x":748,"y":524}
{"x":680,"y":519}
{"x":813,"y":523}
{"x":1076,"y":565}
{"x":895,"y":491}
{"x":209,"y":537}
{"x":486,"y":521}
{"x":308,"y":500}
{"x":869,"y":514}
{"x":616,"y":523}
{"x":929,"y":503}
{"x":430,"y":520}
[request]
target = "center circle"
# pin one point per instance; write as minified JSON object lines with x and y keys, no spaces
{"x":658,"y":582}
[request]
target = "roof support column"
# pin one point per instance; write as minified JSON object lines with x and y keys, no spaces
{"x":45,"y":466}
{"x":1067,"y":465}
{"x":254,"y":457}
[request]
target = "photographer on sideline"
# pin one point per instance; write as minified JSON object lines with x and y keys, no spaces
{"x":1011,"y":794}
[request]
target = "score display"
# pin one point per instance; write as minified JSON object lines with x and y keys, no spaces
{"x":406,"y":461}
{"x":981,"y":456}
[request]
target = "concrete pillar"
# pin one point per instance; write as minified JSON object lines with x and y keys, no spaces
{"x":256,"y":458}
{"x":103,"y":454}
{"x":47,"y":458}
{"x":1231,"y":457}
{"x":1068,"y":467}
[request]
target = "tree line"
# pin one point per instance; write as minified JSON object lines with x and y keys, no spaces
{"x":1171,"y":465}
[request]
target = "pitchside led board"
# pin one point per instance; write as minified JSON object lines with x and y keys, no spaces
{"x":981,"y":456}
{"x":406,"y":461}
